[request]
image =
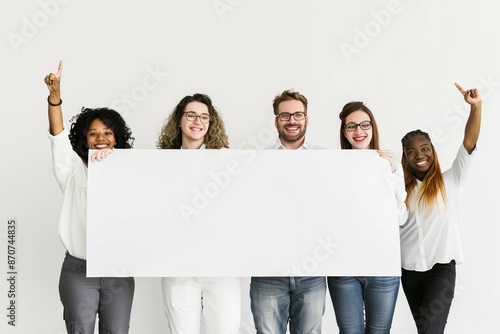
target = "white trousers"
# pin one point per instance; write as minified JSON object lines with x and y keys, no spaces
{"x":217,"y":299}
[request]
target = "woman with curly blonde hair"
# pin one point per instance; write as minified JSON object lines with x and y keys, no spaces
{"x":195,"y":124}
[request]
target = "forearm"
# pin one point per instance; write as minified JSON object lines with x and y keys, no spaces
{"x":472,"y":127}
{"x":56,"y":124}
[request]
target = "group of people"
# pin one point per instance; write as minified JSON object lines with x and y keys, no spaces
{"x":428,"y":202}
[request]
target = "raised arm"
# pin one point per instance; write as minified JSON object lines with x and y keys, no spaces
{"x":53,"y":81}
{"x":473,"y":125}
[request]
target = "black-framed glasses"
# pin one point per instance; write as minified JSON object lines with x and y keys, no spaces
{"x":351,"y":127}
{"x":191,"y":116}
{"x":298,"y":116}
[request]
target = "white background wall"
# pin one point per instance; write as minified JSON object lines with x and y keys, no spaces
{"x":399,"y":57}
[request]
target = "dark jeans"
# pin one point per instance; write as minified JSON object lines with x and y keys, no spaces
{"x":84,"y":297}
{"x":429,"y":295}
{"x":357,"y":298}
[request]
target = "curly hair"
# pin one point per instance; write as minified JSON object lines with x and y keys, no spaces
{"x":348,"y":109}
{"x":111,"y":118}
{"x":170,"y":136}
{"x":433,"y":182}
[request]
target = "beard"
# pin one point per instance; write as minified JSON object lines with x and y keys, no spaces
{"x":285,"y":136}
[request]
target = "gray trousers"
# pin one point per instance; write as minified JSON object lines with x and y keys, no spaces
{"x":85,"y":297}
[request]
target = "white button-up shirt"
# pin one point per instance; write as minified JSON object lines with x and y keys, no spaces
{"x":71,"y":175}
{"x":433,"y":237}
{"x":306,"y":146}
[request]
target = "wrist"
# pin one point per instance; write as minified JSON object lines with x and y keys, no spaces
{"x":54,"y":100}
{"x":476,"y":105}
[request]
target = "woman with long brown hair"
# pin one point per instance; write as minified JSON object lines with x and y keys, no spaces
{"x":430,"y":240}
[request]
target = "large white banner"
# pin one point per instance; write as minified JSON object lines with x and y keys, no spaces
{"x":242,"y":213}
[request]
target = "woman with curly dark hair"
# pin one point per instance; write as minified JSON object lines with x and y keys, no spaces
{"x":195,"y":124}
{"x":85,"y":297}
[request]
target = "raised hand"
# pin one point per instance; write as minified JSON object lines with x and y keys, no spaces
{"x":471,"y":96}
{"x":473,"y":125}
{"x":53,"y":80}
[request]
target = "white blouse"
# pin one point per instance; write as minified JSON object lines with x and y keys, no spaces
{"x":71,"y":175}
{"x":434,"y":237}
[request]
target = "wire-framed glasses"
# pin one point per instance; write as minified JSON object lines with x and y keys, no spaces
{"x":191,"y":116}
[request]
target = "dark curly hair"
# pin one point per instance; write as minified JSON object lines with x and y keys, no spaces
{"x":170,"y":136}
{"x":111,"y":118}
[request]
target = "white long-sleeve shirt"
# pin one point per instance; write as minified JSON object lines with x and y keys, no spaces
{"x":71,"y":175}
{"x":427,"y":239}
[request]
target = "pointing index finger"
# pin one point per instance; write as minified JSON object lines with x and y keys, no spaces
{"x":59,"y":68}
{"x":460,"y":89}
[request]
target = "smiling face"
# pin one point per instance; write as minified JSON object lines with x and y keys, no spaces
{"x":419,"y":155}
{"x":359,"y":139}
{"x":291,"y":132}
{"x":99,"y":136}
{"x":193,"y":132}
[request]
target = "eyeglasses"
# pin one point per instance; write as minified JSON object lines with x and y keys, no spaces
{"x":351,"y":127}
{"x":191,"y":116}
{"x":298,"y":116}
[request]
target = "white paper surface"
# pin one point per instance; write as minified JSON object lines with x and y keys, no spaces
{"x":242,"y":213}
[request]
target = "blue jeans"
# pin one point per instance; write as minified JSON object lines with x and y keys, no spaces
{"x":377,"y":295}
{"x":276,"y":300}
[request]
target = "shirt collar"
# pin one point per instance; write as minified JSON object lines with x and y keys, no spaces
{"x":279,"y":146}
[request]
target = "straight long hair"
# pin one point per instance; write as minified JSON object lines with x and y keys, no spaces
{"x":433,"y":183}
{"x":348,"y":109}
